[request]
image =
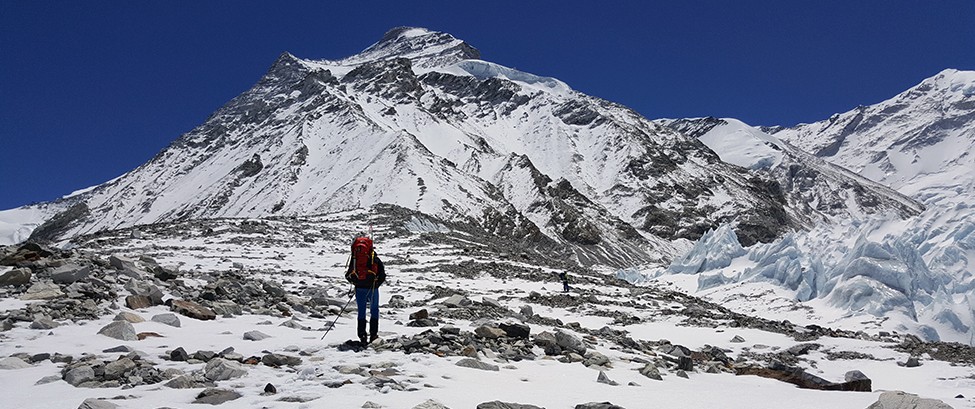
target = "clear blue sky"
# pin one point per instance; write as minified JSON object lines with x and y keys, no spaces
{"x":90,"y":90}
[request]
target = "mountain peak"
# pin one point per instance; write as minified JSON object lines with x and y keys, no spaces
{"x":426,"y":48}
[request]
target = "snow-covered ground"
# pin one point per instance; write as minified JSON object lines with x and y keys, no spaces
{"x":307,"y":255}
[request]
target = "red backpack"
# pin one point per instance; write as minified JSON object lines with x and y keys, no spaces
{"x":362,"y":255}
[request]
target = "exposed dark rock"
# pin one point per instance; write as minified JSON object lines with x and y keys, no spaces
{"x":192,"y":310}
{"x":214,"y":396}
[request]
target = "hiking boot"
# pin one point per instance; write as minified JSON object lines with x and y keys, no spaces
{"x":373,"y":330}
{"x":362,"y":331}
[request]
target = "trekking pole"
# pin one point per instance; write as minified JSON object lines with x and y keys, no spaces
{"x":339,"y":314}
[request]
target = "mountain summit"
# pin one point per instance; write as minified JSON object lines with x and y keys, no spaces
{"x":423,"y":47}
{"x":416,"y":121}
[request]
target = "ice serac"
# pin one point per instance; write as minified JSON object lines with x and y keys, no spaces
{"x":880,"y":254}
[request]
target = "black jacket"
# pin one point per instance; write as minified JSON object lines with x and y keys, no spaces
{"x":371,"y":281}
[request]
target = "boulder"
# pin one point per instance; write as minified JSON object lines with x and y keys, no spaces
{"x":430,"y":404}
{"x":276,"y":360}
{"x":419,"y":315}
{"x":597,"y":405}
{"x":214,"y":396}
{"x":122,"y":330}
{"x":79,"y":375}
{"x":183,"y":382}
{"x":603,"y":378}
{"x":92,"y":403}
{"x":138,"y":302}
{"x":11,"y":362}
{"x":226,"y":308}
{"x":457,"y":300}
{"x":903,"y":400}
{"x":44,"y":323}
{"x":168,"y":318}
{"x":193,"y":310}
{"x":128,"y":316}
{"x":70,"y":273}
{"x":505,"y":405}
{"x":516,"y":330}
{"x":255,"y":336}
{"x":570,"y":342}
{"x":117,"y":369}
{"x":488,"y":332}
{"x":42,"y":291}
{"x":491,"y":302}
{"x":476,"y":364}
{"x":15,"y":277}
{"x":219,"y":369}
{"x":651,"y":371}
{"x":179,"y":354}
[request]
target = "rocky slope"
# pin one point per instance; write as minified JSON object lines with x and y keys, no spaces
{"x":231,"y":312}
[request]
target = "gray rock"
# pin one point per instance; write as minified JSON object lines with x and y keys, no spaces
{"x":70,"y":273}
{"x":168,"y":318}
{"x":92,"y":403}
{"x":597,"y":405}
{"x":42,"y":291}
{"x":255,"y":335}
{"x":489,"y":332}
{"x":276,"y":360}
{"x":214,"y":396}
{"x":13,"y":363}
{"x":651,"y":371}
{"x":526,"y":310}
{"x":44,"y":323}
{"x":144,"y":288}
{"x":737,"y":339}
{"x":80,"y":375}
{"x":430,"y":404}
{"x":15,"y":277}
{"x":491,"y":302}
{"x":570,"y":342}
{"x":457,"y":300}
{"x":682,"y":374}
{"x":47,"y":379}
{"x":912,"y":362}
{"x":219,"y":369}
{"x":295,"y":324}
{"x":903,"y":400}
{"x":505,"y":405}
{"x":603,"y":378}
{"x":183,"y":382}
{"x":179,"y":354}
{"x":117,"y":369}
{"x":476,"y":364}
{"x":594,"y":358}
{"x":226,"y":308}
{"x":122,"y":330}
{"x":126,"y":266}
{"x":128,"y":316}
{"x":117,"y":349}
{"x":274,"y":289}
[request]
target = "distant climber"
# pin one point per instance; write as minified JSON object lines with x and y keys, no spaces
{"x":565,"y":281}
{"x":366,"y":273}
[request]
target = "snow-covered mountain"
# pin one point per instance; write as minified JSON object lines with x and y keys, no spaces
{"x":417,"y":120}
{"x":913,"y":274}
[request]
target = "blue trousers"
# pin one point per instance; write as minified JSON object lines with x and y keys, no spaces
{"x":370,"y":296}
